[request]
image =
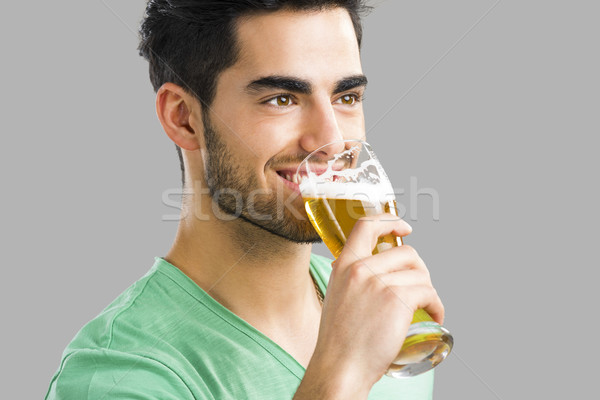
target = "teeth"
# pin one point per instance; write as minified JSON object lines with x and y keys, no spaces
{"x":299,"y":178}
{"x":294,"y":177}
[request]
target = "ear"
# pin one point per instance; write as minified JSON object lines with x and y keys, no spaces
{"x":174,"y":107}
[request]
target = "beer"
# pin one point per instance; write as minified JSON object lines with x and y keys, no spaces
{"x":333,"y":215}
{"x":334,"y":219}
{"x":334,"y":207}
{"x":340,"y":183}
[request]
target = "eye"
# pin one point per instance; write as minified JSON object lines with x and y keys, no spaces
{"x":282,"y":100}
{"x":348,"y":99}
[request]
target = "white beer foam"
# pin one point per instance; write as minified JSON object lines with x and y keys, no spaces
{"x":373,"y":193}
{"x":367,"y":181}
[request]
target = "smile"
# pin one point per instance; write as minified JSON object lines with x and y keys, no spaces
{"x":293,"y":176}
{"x":292,"y":179}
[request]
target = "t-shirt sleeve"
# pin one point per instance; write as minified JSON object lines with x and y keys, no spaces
{"x":95,"y":374}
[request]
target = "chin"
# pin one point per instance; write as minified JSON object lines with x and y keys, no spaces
{"x":300,"y":232}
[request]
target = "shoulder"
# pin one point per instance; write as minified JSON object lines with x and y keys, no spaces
{"x":129,"y":349}
{"x":100,"y":332}
{"x":143,"y":312}
{"x":102,"y":373}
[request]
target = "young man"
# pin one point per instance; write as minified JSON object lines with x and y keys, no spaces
{"x":246,"y":89}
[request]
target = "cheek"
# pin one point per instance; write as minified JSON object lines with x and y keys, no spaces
{"x":272,"y":129}
{"x":261,"y":140}
{"x":352,"y":125}
{"x":240,"y":136}
{"x":269,"y":135}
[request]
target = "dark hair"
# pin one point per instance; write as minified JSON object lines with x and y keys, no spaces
{"x":190,"y":42}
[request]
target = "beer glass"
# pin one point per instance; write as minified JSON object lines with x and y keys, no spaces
{"x":340,"y":183}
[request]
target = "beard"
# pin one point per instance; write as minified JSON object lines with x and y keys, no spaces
{"x":236,"y":191}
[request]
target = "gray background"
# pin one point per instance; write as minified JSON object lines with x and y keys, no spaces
{"x":492,"y":107}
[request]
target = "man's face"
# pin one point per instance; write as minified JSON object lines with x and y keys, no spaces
{"x":297,"y":85}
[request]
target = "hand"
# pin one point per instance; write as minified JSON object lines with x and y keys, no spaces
{"x":370,"y":303}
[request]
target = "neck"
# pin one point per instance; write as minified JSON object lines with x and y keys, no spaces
{"x":259,"y":276}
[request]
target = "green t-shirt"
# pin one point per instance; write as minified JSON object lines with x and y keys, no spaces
{"x":166,"y":338}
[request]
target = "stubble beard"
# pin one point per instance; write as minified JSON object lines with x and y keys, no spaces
{"x":226,"y":177}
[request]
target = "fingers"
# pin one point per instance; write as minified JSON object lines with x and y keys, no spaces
{"x":395,"y":259}
{"x":413,"y":288}
{"x":398,"y":274}
{"x":403,"y":278}
{"x":367,"y":230}
{"x":399,"y":258}
{"x":402,"y":274}
{"x":417,"y":297}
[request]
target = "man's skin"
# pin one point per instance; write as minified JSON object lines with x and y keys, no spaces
{"x":347,"y":344}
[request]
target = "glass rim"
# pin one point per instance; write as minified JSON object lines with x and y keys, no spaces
{"x":361,"y":141}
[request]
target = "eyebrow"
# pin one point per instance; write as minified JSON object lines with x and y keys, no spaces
{"x":280,"y":82}
{"x":350,"y":83}
{"x":297,"y":85}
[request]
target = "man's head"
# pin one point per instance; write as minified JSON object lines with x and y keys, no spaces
{"x":248,"y":88}
{"x":190,"y":42}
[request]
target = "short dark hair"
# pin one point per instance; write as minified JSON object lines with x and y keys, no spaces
{"x":190,"y":42}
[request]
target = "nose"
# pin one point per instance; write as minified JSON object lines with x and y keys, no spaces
{"x":320,"y":128}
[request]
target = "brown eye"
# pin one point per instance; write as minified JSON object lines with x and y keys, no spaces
{"x":283,"y":101}
{"x":348,"y":99}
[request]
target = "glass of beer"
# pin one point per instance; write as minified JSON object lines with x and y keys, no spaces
{"x":342,"y":182}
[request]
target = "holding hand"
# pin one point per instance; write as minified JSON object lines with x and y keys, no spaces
{"x":370,"y":304}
